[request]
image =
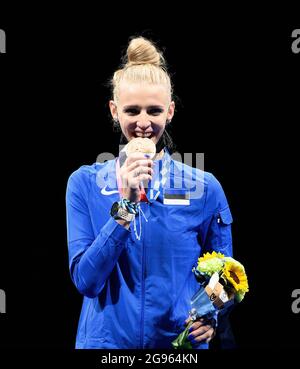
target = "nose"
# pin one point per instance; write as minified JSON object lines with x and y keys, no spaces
{"x":143,"y":121}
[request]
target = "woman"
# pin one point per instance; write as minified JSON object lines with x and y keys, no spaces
{"x":137,"y":225}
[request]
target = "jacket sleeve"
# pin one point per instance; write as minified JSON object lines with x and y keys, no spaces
{"x":91,"y":259}
{"x":215,"y":232}
{"x":215,"y":235}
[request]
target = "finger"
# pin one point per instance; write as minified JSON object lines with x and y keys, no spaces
{"x":142,"y":177}
{"x":125,"y":181}
{"x":199,"y":331}
{"x":140,"y":163}
{"x":127,"y":175}
{"x":199,"y":323}
{"x":195,"y":326}
{"x":134,"y":157}
{"x":200,"y":320}
{"x":141,"y":170}
{"x":206,"y":336}
{"x":211,"y":337}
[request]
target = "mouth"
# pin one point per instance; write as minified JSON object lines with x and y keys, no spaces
{"x":143,"y":134}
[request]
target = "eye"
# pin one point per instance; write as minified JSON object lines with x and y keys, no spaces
{"x":155,"y":111}
{"x":132,"y":111}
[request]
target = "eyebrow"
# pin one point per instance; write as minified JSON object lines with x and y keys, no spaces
{"x":139,"y":107}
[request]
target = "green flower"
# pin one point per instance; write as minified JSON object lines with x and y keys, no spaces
{"x":210,"y":266}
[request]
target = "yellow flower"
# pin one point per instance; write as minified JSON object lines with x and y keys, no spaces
{"x":211,"y":263}
{"x":235,"y":274}
{"x":208,"y":256}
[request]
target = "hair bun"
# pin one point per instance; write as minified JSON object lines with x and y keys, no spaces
{"x":143,"y":51}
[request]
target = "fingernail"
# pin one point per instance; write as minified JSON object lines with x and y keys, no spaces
{"x":191,"y":329}
{"x":193,"y":342}
{"x":190,"y":338}
{"x":146,"y":156}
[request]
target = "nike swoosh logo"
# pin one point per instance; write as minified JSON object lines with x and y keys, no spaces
{"x":107,"y":193}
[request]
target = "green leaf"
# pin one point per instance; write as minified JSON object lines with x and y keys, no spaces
{"x":181,"y":342}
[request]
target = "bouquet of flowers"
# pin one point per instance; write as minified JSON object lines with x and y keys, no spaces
{"x":223,"y":281}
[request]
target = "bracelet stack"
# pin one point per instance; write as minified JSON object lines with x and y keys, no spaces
{"x":131,"y":207}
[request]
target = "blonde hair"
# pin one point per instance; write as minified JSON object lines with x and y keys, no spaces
{"x":143,"y":63}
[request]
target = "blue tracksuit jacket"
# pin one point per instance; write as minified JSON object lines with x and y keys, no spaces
{"x":137,"y":292}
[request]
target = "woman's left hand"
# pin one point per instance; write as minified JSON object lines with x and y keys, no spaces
{"x":202,"y":330}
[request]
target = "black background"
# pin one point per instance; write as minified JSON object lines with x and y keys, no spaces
{"x":237,"y":91}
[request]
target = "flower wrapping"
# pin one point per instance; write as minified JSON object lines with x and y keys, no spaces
{"x":222,"y":281}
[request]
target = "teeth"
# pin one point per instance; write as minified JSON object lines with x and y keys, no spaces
{"x":143,"y":134}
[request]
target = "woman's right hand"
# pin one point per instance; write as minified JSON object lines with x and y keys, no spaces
{"x":136,"y":169}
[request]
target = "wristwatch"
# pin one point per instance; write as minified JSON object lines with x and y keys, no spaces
{"x":118,"y":212}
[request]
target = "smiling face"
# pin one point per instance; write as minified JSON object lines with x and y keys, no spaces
{"x":142,"y":110}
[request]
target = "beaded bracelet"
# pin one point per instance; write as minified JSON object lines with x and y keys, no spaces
{"x":131,"y":207}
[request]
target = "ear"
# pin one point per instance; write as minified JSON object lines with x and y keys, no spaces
{"x":113,"y":109}
{"x":171,"y":111}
